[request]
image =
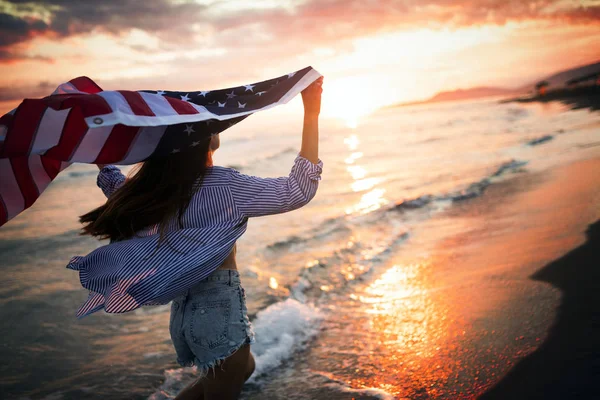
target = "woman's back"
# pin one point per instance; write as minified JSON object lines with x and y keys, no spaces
{"x":128,"y":274}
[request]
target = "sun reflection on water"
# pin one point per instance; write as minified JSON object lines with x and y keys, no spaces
{"x":408,"y":326}
{"x":371,"y":200}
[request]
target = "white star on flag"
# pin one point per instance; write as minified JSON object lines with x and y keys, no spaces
{"x":260,"y":93}
{"x":240,"y":105}
{"x":249,"y":87}
{"x":221,"y":104}
{"x":185,"y":97}
{"x":291,"y":74}
{"x":188,"y":129}
{"x":194,"y":144}
{"x":204,"y":93}
{"x":230,"y":95}
{"x":160,"y":92}
{"x":175,"y":151}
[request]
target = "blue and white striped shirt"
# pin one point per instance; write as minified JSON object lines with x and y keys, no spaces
{"x":125,"y":275}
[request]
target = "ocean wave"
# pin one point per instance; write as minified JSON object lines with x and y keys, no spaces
{"x":79,"y":174}
{"x":324,"y":230}
{"x":281,"y":330}
{"x":475,"y":189}
{"x":540,"y":140}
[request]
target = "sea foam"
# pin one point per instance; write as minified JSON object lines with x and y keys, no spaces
{"x":281,"y":329}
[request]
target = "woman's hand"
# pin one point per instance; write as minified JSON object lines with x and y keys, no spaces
{"x":311,"y":97}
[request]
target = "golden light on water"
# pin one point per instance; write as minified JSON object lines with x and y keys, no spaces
{"x":369,"y":202}
{"x":273,"y":283}
{"x":373,"y":199}
{"x":410,"y":327}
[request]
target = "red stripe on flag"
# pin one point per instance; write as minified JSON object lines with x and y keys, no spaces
{"x":89,"y":104}
{"x":3,"y":213}
{"x":117,"y":145}
{"x":137,"y":103}
{"x":6,"y":119}
{"x":24,"y":126}
{"x":72,"y":133}
{"x":85,"y":84}
{"x":20,"y":166}
{"x":182,"y":107}
{"x":52,"y":167}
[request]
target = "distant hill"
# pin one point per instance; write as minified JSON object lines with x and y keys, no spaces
{"x":555,"y":81}
{"x":464,"y":94}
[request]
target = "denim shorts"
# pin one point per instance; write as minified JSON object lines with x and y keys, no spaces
{"x":210,"y":321}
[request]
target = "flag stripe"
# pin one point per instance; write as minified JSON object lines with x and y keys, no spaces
{"x":76,"y":127}
{"x":182,"y":107}
{"x":137,"y":103}
{"x":38,"y":172}
{"x":159,"y":104}
{"x":144,"y":145}
{"x":9,"y":189}
{"x":117,"y":144}
{"x":85,"y":84}
{"x":3,"y":212}
{"x":27,"y":119}
{"x":91,"y":144}
{"x":49,"y":130}
{"x":24,"y":179}
{"x":51,"y":166}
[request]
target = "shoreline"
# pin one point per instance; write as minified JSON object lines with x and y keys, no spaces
{"x":578,"y":98}
{"x":527,"y":243}
{"x":484,"y":304}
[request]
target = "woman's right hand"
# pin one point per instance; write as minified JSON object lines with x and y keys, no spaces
{"x":311,"y":97}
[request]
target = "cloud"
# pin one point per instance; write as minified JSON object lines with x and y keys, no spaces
{"x":305,"y":25}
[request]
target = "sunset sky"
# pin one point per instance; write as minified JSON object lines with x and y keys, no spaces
{"x":387,"y":51}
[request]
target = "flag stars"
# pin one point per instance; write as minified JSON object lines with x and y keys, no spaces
{"x":220,"y":104}
{"x":291,"y":74}
{"x":189,"y":129}
{"x":185,"y":97}
{"x":249,"y":87}
{"x":204,"y":93}
{"x":260,"y":93}
{"x":231,"y":95}
{"x":160,"y":92}
{"x":194,"y":144}
{"x":175,"y":151}
{"x":240,"y":105}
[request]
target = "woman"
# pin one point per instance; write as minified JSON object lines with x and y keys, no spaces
{"x":183,"y":193}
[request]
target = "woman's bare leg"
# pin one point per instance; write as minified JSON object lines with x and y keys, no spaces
{"x":227,"y":380}
{"x":193,"y":391}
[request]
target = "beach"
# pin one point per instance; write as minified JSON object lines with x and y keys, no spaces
{"x":427,"y":266}
{"x":506,"y":300}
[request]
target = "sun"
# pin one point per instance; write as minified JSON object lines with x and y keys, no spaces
{"x":349,"y":99}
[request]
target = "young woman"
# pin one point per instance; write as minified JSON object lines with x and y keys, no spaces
{"x":172,"y":196}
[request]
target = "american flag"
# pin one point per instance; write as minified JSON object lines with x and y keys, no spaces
{"x":82,"y":123}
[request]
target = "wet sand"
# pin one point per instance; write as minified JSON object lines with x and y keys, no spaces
{"x":497,"y":298}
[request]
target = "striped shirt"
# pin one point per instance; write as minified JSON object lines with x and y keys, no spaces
{"x":125,"y":275}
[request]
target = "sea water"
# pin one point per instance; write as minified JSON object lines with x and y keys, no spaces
{"x":304,"y":272}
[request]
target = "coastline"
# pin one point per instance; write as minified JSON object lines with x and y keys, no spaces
{"x":489,"y":306}
{"x":583,"y":97}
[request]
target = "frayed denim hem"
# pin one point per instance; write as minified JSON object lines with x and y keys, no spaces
{"x":201,"y":369}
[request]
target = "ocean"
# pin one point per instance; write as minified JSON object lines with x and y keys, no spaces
{"x":331,"y":301}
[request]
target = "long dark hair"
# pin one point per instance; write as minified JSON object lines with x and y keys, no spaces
{"x":160,"y":190}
